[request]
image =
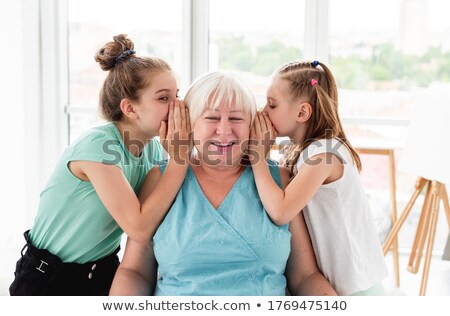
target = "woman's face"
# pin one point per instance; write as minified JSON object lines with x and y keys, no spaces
{"x":281,"y":111}
{"x":221,"y":136}
{"x":153,"y":106}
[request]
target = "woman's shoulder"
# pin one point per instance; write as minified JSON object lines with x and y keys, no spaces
{"x":276,"y":172}
{"x":162,"y":165}
{"x":285,"y":176}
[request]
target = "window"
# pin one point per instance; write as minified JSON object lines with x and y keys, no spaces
{"x":252,"y":38}
{"x":154,"y":26}
{"x":384,"y":55}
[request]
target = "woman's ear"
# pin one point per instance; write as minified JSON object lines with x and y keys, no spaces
{"x":304,"y":112}
{"x":127,"y":108}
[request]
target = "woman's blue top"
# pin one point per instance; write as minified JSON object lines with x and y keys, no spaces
{"x":232,"y":250}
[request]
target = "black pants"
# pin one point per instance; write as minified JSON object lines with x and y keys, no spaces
{"x":39,"y":272}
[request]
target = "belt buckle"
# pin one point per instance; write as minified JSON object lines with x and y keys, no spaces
{"x":40,"y":266}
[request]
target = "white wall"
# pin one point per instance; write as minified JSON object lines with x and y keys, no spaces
{"x":33,"y":92}
{"x":12,"y":126}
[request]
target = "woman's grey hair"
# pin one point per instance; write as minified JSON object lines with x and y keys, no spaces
{"x":217,"y":88}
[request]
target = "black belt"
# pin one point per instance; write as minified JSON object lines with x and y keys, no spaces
{"x":46,"y":262}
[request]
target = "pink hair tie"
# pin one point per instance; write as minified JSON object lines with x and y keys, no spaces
{"x":313,"y":82}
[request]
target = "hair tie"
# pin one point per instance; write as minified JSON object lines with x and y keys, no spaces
{"x":313,"y":82}
{"x":315,"y":63}
{"x":124,"y":55}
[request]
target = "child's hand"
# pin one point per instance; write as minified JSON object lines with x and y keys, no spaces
{"x":176,"y":134}
{"x":262,"y":137}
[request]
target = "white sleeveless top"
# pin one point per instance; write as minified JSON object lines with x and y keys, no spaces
{"x":341,"y":227}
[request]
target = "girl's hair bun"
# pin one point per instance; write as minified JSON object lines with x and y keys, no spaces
{"x":114,"y":52}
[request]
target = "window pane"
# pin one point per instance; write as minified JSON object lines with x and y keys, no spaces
{"x":386,"y":52}
{"x":154,"y":26}
{"x":254,"y":37}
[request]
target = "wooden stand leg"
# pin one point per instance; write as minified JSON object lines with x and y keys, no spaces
{"x":394,"y":248}
{"x":421,"y":233}
{"x":444,"y":197}
{"x":431,"y":234}
{"x":396,"y":227}
{"x":426,"y":228}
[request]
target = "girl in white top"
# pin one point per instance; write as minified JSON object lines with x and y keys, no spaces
{"x":302,"y":104}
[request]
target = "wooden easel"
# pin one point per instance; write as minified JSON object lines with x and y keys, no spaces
{"x":426,"y":228}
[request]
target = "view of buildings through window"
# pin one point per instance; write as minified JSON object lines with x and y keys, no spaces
{"x":258,"y":38}
{"x":387,"y":53}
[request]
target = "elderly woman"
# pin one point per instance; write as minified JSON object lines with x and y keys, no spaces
{"x":217,"y":239}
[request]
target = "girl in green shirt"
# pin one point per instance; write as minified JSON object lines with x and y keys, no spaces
{"x":91,"y":197}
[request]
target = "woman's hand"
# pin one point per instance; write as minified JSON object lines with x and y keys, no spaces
{"x":262,"y":137}
{"x":175,"y":136}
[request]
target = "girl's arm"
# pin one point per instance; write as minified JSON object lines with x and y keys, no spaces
{"x":302,"y":274}
{"x":283,"y":205}
{"x":140,"y":219}
{"x":136,"y":274}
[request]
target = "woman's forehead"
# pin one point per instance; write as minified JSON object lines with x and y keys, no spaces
{"x":228,"y":110}
{"x":220,"y":108}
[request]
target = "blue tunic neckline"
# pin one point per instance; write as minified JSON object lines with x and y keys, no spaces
{"x":199,"y":191}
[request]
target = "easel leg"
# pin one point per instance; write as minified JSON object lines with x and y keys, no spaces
{"x":444,"y":197}
{"x":394,"y":216}
{"x":397,"y":225}
{"x":431,"y":234}
{"x":421,"y":233}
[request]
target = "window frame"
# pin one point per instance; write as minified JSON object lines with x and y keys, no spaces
{"x":46,"y":85}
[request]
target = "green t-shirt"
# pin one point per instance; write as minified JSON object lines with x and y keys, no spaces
{"x":72,"y":222}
